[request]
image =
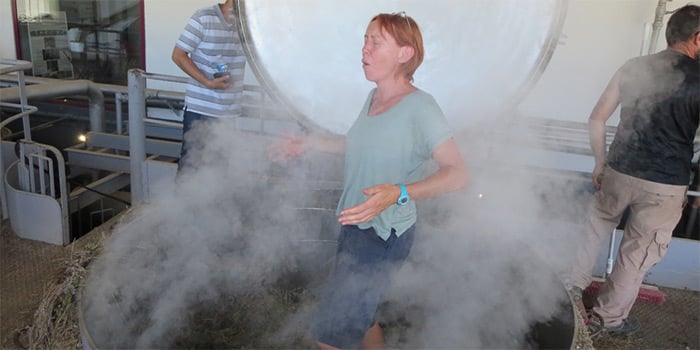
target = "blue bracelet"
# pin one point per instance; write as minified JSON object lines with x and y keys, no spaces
{"x":403,"y":198}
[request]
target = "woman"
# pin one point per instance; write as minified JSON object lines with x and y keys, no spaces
{"x":398,"y":130}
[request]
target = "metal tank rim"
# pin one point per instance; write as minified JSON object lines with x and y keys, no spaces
{"x":268,"y":84}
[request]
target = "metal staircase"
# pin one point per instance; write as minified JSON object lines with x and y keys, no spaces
{"x":48,"y":197}
{"x":35,"y":191}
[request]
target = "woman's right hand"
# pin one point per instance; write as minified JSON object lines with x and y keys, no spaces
{"x":291,"y":146}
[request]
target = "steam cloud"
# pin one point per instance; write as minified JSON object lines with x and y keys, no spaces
{"x":486,"y":264}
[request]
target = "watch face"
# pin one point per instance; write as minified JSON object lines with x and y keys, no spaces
{"x":403,"y":200}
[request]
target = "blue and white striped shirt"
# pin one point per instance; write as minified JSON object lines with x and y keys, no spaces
{"x":210,"y":40}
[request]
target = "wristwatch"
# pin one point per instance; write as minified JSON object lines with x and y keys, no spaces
{"x":403,"y":197}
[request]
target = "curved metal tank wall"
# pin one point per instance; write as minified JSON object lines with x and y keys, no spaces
{"x":481,"y":56}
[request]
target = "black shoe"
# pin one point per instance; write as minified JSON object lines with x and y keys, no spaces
{"x":629,"y":326}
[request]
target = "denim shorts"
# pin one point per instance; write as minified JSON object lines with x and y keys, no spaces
{"x":351,"y":296}
{"x":189,"y":120}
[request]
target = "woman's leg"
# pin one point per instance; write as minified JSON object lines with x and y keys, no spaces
{"x":324,"y":346}
{"x":374,"y":338}
{"x":364,"y":265}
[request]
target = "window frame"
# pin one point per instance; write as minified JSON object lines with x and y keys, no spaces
{"x":140,"y":49}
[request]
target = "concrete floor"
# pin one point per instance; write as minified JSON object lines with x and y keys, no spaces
{"x":28,"y":267}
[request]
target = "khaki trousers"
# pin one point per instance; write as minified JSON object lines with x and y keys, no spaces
{"x":655,"y":210}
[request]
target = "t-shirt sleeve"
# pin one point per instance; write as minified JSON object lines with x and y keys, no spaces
{"x":433,"y":128}
{"x":192,"y":35}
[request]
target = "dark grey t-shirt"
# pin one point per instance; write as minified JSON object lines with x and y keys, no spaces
{"x":660,"y":109}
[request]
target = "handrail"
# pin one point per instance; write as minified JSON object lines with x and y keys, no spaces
{"x":14,"y":65}
{"x":38,"y":151}
{"x":137,"y":133}
{"x":19,"y":67}
{"x":58,"y":88}
{"x":106,"y":88}
{"x":26,"y":112}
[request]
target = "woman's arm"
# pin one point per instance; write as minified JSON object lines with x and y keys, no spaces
{"x":451,"y":174}
{"x":291,"y":146}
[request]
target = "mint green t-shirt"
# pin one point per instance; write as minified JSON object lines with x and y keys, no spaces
{"x":393,"y":148}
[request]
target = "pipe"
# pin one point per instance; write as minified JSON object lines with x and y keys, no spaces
{"x":137,"y":132}
{"x":19,"y":67}
{"x":14,"y":65}
{"x":611,"y":252}
{"x":118,"y":99}
{"x":26,"y":125}
{"x":109,"y":88}
{"x":656,"y":26}
{"x":26,"y":111}
{"x":64,"y":88}
{"x":645,"y":39}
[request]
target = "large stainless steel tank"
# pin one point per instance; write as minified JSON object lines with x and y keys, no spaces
{"x":481,"y":55}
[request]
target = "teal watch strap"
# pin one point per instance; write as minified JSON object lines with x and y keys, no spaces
{"x":403,"y":197}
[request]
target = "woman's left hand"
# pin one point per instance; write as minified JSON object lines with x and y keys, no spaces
{"x":290,"y":146}
{"x":380,"y":197}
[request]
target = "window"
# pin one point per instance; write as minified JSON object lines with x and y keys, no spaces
{"x":99,"y":40}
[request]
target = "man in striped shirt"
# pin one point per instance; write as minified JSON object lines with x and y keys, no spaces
{"x":209,"y":50}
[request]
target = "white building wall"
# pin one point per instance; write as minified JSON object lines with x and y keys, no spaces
{"x":7,"y":40}
{"x":165,"y":20}
{"x":599,"y":35}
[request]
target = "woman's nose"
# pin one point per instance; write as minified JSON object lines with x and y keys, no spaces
{"x":365,"y":49}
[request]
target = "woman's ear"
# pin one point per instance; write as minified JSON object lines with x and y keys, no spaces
{"x":406,"y":53}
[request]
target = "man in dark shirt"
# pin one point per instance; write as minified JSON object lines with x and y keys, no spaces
{"x":647,"y":169}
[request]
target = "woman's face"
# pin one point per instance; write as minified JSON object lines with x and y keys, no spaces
{"x":380,"y":54}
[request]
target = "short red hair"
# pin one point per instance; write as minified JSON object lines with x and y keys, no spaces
{"x":405,"y":32}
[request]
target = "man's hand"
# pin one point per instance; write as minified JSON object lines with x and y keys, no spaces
{"x":183,"y":60}
{"x":380,"y":197}
{"x":597,"y":176}
{"x":220,"y":83}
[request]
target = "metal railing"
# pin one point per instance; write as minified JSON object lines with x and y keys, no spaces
{"x":41,"y":169}
{"x":25,"y":110}
{"x":137,"y":128}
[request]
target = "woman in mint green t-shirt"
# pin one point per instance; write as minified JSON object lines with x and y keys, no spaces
{"x":398,"y":130}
